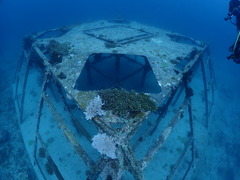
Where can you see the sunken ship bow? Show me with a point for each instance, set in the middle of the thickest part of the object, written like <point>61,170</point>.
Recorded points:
<point>113,100</point>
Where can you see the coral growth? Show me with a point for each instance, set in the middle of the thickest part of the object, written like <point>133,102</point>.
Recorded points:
<point>27,42</point>
<point>56,51</point>
<point>126,104</point>
<point>94,108</point>
<point>105,144</point>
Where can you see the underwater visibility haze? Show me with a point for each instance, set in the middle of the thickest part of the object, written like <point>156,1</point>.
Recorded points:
<point>149,23</point>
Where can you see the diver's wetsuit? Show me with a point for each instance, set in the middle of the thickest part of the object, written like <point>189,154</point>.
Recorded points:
<point>234,9</point>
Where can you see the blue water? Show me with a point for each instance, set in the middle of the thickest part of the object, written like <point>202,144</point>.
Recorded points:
<point>200,19</point>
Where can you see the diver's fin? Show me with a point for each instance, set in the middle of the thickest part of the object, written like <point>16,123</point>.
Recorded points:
<point>236,42</point>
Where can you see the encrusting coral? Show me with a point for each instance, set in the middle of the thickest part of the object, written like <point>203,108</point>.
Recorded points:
<point>56,51</point>
<point>126,103</point>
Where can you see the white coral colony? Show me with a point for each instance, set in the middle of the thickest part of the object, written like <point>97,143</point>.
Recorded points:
<point>105,145</point>
<point>94,108</point>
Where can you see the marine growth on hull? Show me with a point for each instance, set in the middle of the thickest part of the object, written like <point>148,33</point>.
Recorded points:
<point>113,100</point>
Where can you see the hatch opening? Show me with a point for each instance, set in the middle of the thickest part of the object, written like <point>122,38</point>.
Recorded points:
<point>121,71</point>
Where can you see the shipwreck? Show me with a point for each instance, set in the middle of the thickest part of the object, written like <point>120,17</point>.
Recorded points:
<point>113,100</point>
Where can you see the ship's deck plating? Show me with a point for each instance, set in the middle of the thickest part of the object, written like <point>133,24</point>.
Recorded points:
<point>169,54</point>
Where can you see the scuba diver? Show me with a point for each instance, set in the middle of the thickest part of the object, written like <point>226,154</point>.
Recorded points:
<point>234,10</point>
